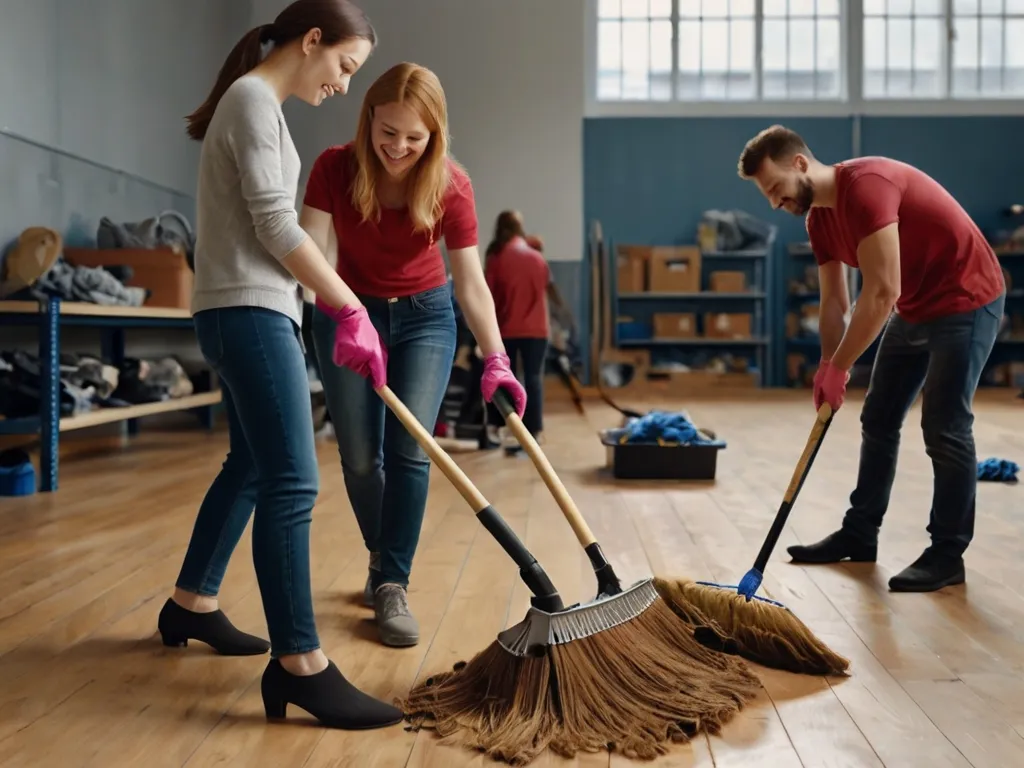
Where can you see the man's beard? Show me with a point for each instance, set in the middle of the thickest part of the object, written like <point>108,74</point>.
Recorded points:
<point>804,197</point>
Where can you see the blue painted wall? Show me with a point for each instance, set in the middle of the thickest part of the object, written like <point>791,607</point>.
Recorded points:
<point>648,180</point>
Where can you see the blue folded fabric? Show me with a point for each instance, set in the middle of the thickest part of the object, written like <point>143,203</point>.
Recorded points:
<point>998,470</point>
<point>662,428</point>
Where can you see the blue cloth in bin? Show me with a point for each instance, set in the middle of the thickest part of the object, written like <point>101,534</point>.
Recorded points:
<point>17,475</point>
<point>665,428</point>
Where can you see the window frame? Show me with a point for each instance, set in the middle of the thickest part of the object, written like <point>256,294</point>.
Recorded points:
<point>852,103</point>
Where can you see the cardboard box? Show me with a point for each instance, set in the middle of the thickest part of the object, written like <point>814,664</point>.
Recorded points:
<point>675,325</point>
<point>728,282</point>
<point>728,325</point>
<point>674,269</point>
<point>163,271</point>
<point>631,262</point>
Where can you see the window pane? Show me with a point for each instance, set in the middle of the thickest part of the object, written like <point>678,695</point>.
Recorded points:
<point>965,6</point>
<point>801,45</point>
<point>609,46</point>
<point>634,9</point>
<point>774,7</point>
<point>715,9</point>
<point>774,52</point>
<point>900,7</point>
<point>928,7</point>
<point>874,57</point>
<point>689,46</point>
<point>1015,6</point>
<point>1013,85</point>
<point>928,57</point>
<point>715,46</point>
<point>801,8</point>
<point>874,7</point>
<point>661,47</point>
<point>992,6</point>
<point>689,8</point>
<point>741,46</point>
<point>609,9</point>
<point>636,59</point>
<point>744,8</point>
<point>965,58</point>
<point>828,58</point>
<point>661,9</point>
<point>991,55</point>
<point>828,7</point>
<point>900,77</point>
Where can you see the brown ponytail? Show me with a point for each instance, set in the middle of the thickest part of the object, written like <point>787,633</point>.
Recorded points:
<point>243,58</point>
<point>337,20</point>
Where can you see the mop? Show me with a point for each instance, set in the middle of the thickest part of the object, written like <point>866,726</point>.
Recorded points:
<point>729,619</point>
<point>619,673</point>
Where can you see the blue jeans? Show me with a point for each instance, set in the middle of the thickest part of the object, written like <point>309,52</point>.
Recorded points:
<point>945,357</point>
<point>386,472</point>
<point>271,467</point>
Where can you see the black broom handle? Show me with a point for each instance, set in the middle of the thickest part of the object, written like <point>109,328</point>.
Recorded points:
<point>545,594</point>
<point>803,467</point>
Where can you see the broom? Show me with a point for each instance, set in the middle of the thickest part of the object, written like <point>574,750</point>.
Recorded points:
<point>619,673</point>
<point>763,631</point>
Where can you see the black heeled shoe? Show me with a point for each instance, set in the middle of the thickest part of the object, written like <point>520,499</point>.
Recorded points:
<point>178,625</point>
<point>327,696</point>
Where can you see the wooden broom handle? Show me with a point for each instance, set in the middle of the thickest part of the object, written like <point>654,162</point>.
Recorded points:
<point>821,423</point>
<point>440,457</point>
<point>547,472</point>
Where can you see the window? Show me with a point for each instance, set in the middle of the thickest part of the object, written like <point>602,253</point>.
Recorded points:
<point>988,49</point>
<point>715,56</point>
<point>634,43</point>
<point>735,54</point>
<point>912,49</point>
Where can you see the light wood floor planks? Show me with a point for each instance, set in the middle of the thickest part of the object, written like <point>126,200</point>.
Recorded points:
<point>938,680</point>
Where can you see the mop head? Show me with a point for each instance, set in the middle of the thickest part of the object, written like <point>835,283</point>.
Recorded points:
<point>619,674</point>
<point>760,631</point>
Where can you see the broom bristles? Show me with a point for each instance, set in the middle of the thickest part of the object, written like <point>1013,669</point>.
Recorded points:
<point>635,688</point>
<point>759,631</point>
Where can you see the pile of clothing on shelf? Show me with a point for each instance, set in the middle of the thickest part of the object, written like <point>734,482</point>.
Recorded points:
<point>35,269</point>
<point>87,383</point>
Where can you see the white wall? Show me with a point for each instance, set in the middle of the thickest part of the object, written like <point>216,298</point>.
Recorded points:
<point>513,73</point>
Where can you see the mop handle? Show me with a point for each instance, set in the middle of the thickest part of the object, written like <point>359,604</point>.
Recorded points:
<point>534,576</point>
<point>803,466</point>
<point>607,580</point>
<point>547,472</point>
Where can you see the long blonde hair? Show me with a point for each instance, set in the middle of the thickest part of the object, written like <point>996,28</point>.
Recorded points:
<point>420,89</point>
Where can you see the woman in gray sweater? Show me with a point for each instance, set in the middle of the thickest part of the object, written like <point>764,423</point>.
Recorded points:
<point>251,258</point>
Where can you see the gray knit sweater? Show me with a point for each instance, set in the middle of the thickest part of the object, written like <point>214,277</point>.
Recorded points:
<point>245,205</point>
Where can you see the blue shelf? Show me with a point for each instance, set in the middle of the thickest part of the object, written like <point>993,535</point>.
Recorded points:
<point>49,316</point>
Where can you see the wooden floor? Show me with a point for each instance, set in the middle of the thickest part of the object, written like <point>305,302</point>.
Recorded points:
<point>937,680</point>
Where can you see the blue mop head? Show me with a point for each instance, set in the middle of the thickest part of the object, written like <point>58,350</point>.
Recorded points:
<point>663,428</point>
<point>998,470</point>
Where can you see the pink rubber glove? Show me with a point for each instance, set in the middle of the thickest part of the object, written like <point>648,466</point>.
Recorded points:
<point>816,387</point>
<point>498,373</point>
<point>831,387</point>
<point>357,345</point>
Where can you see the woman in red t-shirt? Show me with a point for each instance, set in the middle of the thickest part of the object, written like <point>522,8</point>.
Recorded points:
<point>519,278</point>
<point>379,205</point>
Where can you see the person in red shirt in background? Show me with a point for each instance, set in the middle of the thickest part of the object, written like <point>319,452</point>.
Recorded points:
<point>378,206</point>
<point>933,288</point>
<point>519,278</point>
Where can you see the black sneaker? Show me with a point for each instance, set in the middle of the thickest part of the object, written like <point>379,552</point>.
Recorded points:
<point>835,548</point>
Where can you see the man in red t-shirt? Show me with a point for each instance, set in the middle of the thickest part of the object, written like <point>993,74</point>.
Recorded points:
<point>933,283</point>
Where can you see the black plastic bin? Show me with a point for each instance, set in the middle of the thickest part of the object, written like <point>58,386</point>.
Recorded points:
<point>650,461</point>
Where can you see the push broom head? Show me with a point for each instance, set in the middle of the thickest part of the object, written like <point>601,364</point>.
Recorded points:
<point>620,673</point>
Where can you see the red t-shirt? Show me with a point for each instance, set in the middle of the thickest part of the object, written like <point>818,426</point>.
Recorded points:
<point>518,276</point>
<point>946,265</point>
<point>387,258</point>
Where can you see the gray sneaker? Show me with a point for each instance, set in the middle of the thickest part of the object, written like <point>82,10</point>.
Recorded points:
<point>368,588</point>
<point>396,625</point>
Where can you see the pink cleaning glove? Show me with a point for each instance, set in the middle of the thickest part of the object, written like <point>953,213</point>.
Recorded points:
<point>816,387</point>
<point>498,373</point>
<point>357,345</point>
<point>830,386</point>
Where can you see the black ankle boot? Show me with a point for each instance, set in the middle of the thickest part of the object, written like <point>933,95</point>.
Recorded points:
<point>834,548</point>
<point>178,625</point>
<point>327,696</point>
<point>931,571</point>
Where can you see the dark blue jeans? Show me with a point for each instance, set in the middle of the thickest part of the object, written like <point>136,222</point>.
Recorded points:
<point>271,467</point>
<point>945,357</point>
<point>386,472</point>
